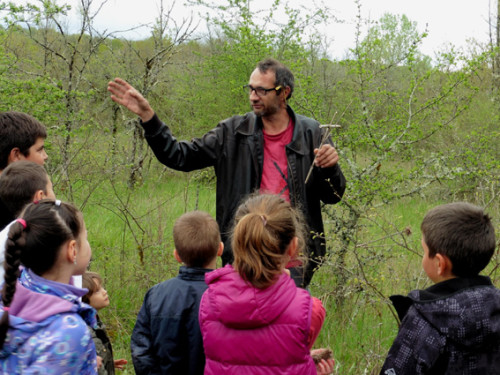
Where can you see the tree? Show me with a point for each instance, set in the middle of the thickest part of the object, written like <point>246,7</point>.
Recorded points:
<point>63,62</point>
<point>390,109</point>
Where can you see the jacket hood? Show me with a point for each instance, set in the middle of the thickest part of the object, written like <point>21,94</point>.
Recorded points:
<point>460,309</point>
<point>238,306</point>
<point>32,311</point>
<point>35,307</point>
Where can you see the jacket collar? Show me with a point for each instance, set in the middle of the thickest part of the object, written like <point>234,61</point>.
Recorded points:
<point>252,124</point>
<point>449,287</point>
<point>437,291</point>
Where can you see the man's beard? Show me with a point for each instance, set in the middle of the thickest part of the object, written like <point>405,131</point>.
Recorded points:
<point>266,111</point>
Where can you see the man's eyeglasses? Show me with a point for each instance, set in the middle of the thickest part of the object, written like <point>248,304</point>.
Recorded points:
<point>260,91</point>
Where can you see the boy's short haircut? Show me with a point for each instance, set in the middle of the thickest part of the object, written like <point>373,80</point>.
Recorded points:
<point>196,238</point>
<point>18,184</point>
<point>19,130</point>
<point>91,281</point>
<point>462,232</point>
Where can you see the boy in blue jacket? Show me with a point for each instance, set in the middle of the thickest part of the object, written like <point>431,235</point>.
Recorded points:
<point>452,327</point>
<point>166,338</point>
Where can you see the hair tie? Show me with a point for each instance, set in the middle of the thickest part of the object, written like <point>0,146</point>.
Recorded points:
<point>6,309</point>
<point>57,203</point>
<point>22,222</point>
<point>264,221</point>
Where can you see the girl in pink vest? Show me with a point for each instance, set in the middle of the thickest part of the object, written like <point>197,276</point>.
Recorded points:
<point>253,318</point>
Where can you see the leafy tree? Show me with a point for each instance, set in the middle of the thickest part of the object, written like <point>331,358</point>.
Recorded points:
<point>393,109</point>
<point>238,38</point>
<point>62,59</point>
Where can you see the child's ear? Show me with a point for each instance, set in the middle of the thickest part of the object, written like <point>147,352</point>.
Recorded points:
<point>221,249</point>
<point>444,265</point>
<point>14,155</point>
<point>38,196</point>
<point>70,249</point>
<point>177,257</point>
<point>292,247</point>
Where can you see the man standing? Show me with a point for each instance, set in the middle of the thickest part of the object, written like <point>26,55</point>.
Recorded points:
<point>270,149</point>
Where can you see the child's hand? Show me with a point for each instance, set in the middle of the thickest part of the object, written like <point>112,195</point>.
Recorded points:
<point>99,362</point>
<point>325,367</point>
<point>323,358</point>
<point>120,363</point>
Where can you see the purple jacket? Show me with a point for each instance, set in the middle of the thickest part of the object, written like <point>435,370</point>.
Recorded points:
<point>255,331</point>
<point>48,330</point>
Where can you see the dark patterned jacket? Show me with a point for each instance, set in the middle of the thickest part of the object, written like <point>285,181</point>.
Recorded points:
<point>103,348</point>
<point>453,327</point>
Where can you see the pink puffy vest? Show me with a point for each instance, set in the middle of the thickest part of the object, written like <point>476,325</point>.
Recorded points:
<point>252,331</point>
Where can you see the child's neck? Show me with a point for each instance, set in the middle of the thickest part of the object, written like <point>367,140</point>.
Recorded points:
<point>57,275</point>
<point>442,278</point>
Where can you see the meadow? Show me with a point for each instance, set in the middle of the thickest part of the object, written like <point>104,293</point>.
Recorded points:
<point>130,235</point>
<point>416,131</point>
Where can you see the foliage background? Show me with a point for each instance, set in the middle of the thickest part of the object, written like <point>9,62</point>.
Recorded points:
<point>416,132</point>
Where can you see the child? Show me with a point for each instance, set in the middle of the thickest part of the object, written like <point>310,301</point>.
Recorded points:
<point>253,318</point>
<point>22,137</point>
<point>21,183</point>
<point>452,327</point>
<point>97,297</point>
<point>166,338</point>
<point>43,327</point>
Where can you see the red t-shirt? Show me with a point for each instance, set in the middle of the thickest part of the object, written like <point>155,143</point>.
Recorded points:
<point>275,168</point>
<point>317,319</point>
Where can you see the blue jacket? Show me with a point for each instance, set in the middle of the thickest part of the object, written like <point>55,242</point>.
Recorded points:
<point>453,327</point>
<point>166,338</point>
<point>48,331</point>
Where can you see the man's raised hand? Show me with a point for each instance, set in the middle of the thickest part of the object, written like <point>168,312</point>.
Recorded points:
<point>126,95</point>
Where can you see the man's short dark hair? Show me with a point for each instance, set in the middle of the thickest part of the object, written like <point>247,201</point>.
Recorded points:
<point>19,182</point>
<point>196,238</point>
<point>19,130</point>
<point>462,232</point>
<point>284,76</point>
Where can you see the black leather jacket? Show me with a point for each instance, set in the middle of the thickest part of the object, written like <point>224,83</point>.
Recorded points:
<point>235,149</point>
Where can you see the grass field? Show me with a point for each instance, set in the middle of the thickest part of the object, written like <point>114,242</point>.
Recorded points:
<point>130,235</point>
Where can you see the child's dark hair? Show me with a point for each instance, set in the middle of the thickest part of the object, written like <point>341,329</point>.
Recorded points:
<point>462,232</point>
<point>19,130</point>
<point>18,184</point>
<point>91,281</point>
<point>34,242</point>
<point>265,225</point>
<point>196,238</point>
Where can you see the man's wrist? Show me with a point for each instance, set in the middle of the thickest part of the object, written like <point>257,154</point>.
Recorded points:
<point>147,115</point>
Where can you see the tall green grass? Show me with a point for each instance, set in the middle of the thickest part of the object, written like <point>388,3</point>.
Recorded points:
<point>130,235</point>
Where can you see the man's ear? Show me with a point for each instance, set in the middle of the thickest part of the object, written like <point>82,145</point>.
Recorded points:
<point>177,257</point>
<point>14,155</point>
<point>221,249</point>
<point>285,92</point>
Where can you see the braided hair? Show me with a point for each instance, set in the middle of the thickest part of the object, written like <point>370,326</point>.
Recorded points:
<point>35,242</point>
